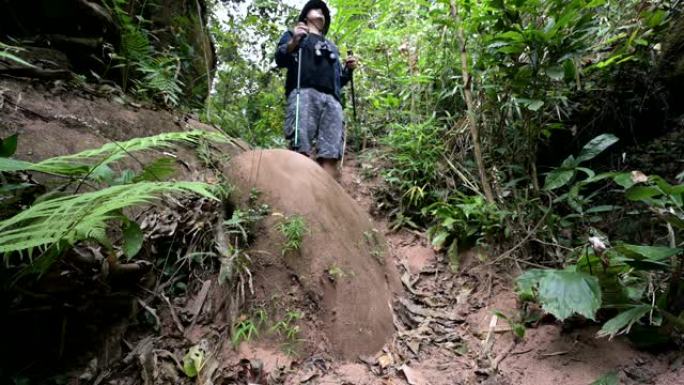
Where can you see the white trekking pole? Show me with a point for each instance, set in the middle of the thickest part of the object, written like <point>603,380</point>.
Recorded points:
<point>299,84</point>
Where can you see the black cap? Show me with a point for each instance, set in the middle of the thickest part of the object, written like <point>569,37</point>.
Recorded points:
<point>317,4</point>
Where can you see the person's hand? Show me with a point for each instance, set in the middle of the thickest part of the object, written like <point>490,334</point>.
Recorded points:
<point>351,63</point>
<point>300,31</point>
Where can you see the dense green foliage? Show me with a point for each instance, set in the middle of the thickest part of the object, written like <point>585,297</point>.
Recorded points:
<point>497,124</point>
<point>160,59</point>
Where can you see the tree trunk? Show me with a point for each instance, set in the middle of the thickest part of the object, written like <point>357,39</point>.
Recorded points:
<point>472,116</point>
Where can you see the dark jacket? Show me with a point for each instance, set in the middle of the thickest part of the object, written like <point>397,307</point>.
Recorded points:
<point>289,61</point>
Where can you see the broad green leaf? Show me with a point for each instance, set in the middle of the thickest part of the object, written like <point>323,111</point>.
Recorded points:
<point>613,290</point>
<point>642,193</point>
<point>653,253</point>
<point>607,379</point>
<point>558,178</point>
<point>675,219</point>
<point>526,283</point>
<point>590,173</point>
<point>624,179</point>
<point>511,35</point>
<point>622,323</point>
<point>564,293</point>
<point>132,239</point>
<point>8,146</point>
<point>518,330</point>
<point>596,146</point>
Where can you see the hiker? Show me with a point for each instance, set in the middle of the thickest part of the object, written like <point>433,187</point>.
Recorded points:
<point>320,120</point>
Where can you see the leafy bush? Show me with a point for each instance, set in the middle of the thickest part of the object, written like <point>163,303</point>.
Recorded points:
<point>155,73</point>
<point>637,280</point>
<point>416,153</point>
<point>464,221</point>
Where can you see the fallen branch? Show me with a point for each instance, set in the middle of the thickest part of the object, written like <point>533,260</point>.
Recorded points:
<point>176,320</point>
<point>503,355</point>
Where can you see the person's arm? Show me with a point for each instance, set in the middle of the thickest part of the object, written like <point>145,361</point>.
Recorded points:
<point>345,75</point>
<point>288,44</point>
<point>347,70</point>
<point>283,56</point>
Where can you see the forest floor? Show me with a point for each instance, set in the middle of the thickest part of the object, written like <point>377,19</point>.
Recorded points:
<point>430,347</point>
<point>444,329</point>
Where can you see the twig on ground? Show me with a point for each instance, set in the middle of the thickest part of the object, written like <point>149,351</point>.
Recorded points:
<point>176,320</point>
<point>503,355</point>
<point>151,311</point>
<point>199,301</point>
<point>488,342</point>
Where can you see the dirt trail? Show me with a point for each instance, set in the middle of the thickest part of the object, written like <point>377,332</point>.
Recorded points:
<point>442,321</point>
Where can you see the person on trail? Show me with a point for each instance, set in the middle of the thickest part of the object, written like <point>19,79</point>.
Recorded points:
<point>316,114</point>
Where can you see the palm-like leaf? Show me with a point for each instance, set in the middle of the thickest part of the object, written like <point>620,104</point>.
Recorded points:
<point>86,162</point>
<point>85,215</point>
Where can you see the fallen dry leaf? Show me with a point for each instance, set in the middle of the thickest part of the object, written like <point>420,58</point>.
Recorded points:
<point>413,376</point>
<point>385,360</point>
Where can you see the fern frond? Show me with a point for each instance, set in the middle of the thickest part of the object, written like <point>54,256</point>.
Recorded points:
<point>81,216</point>
<point>135,44</point>
<point>88,161</point>
<point>160,79</point>
<point>6,54</point>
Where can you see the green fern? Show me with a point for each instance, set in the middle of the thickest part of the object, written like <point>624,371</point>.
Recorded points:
<point>135,44</point>
<point>90,161</point>
<point>84,216</point>
<point>7,53</point>
<point>160,79</point>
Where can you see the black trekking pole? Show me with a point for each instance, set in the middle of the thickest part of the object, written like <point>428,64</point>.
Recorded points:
<point>351,79</point>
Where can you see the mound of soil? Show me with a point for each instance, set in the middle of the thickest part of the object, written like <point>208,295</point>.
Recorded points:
<point>341,274</point>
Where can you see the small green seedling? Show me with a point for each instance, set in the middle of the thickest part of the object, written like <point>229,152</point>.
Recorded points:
<point>290,332</point>
<point>517,328</point>
<point>293,229</point>
<point>244,330</point>
<point>336,273</point>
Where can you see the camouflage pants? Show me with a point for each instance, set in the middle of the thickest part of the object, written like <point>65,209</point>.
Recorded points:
<point>321,124</point>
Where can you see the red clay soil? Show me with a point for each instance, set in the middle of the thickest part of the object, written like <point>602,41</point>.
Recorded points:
<point>342,267</point>
<point>55,119</point>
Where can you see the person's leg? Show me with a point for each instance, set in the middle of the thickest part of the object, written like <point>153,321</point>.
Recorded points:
<point>331,136</point>
<point>307,121</point>
<point>330,166</point>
